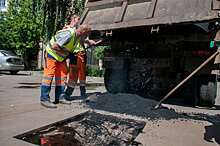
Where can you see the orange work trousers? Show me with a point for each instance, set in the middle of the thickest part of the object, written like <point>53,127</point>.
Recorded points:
<point>59,69</point>
<point>77,70</point>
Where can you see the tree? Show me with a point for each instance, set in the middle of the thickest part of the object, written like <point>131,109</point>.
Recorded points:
<point>28,21</point>
<point>3,32</point>
<point>99,52</point>
<point>57,13</point>
<point>20,28</point>
<point>79,6</point>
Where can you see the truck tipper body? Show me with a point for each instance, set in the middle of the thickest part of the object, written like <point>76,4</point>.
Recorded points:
<point>155,44</point>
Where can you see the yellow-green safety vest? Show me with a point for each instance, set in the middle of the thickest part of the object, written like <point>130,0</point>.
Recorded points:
<point>79,48</point>
<point>68,47</point>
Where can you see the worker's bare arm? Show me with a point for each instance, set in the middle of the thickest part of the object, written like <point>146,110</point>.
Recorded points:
<point>93,42</point>
<point>58,49</point>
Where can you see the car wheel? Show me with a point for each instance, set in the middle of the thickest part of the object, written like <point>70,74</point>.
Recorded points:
<point>14,72</point>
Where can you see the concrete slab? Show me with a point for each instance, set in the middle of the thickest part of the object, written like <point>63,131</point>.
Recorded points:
<point>20,123</point>
<point>177,132</point>
<point>182,132</point>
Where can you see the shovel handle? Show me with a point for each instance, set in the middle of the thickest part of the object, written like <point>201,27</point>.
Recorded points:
<point>186,79</point>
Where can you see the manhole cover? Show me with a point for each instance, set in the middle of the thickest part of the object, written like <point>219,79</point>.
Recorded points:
<point>88,129</point>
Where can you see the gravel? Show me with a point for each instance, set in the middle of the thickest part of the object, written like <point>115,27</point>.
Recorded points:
<point>130,104</point>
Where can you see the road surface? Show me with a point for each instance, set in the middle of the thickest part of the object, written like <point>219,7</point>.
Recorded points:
<point>20,112</point>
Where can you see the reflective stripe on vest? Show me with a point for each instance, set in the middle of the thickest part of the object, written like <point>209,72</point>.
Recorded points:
<point>79,49</point>
<point>68,47</point>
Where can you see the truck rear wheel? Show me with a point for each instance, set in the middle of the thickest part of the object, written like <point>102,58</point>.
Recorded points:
<point>208,94</point>
<point>116,81</point>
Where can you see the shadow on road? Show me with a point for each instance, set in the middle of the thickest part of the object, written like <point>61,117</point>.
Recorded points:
<point>212,132</point>
<point>71,98</point>
<point>28,85</point>
<point>18,74</point>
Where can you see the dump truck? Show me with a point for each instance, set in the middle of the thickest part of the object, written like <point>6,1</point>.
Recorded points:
<point>155,44</point>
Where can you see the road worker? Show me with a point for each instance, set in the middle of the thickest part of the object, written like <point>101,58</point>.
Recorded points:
<point>59,47</point>
<point>74,20</point>
<point>77,70</point>
<point>77,65</point>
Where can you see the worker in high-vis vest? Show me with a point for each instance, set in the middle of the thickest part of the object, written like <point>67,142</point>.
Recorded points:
<point>59,47</point>
<point>77,70</point>
<point>77,64</point>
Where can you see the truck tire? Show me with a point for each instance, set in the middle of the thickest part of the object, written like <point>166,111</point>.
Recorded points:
<point>115,81</point>
<point>208,94</point>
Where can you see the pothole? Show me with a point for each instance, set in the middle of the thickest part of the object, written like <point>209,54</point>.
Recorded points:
<point>88,129</point>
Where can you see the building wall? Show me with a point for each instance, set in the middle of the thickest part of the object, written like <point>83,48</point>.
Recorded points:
<point>3,5</point>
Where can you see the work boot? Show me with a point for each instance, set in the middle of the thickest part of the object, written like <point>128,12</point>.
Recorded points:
<point>83,92</point>
<point>68,92</point>
<point>47,104</point>
<point>64,101</point>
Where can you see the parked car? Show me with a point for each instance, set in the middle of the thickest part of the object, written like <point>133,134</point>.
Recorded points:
<point>10,62</point>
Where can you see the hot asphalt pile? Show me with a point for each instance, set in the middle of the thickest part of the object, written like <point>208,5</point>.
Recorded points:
<point>130,104</point>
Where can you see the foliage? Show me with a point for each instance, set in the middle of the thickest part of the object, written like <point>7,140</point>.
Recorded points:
<point>54,14</point>
<point>58,13</point>
<point>20,28</point>
<point>30,17</point>
<point>3,32</point>
<point>28,22</point>
<point>99,52</point>
<point>79,6</point>
<point>92,71</point>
